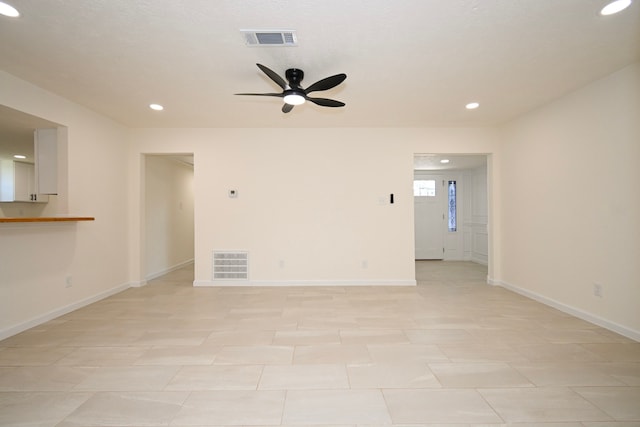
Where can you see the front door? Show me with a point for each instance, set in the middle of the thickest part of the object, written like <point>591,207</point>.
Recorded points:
<point>428,201</point>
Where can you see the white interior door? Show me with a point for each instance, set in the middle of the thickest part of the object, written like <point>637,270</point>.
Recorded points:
<point>428,200</point>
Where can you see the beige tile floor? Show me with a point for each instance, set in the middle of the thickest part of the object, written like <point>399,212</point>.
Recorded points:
<point>452,351</point>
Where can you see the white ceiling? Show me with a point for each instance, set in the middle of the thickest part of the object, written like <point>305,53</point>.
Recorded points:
<point>409,62</point>
<point>432,162</point>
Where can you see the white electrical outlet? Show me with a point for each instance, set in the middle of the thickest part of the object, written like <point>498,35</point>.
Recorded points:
<point>68,282</point>
<point>597,290</point>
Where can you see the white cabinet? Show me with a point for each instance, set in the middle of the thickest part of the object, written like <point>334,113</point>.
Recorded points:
<point>18,183</point>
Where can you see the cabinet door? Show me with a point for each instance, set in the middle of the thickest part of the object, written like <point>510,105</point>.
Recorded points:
<point>46,153</point>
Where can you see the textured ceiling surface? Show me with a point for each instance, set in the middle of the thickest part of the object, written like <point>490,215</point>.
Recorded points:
<point>409,63</point>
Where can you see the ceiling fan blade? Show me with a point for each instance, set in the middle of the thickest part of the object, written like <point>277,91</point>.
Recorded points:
<point>287,107</point>
<point>273,76</point>
<point>324,102</point>
<point>279,95</point>
<point>328,83</point>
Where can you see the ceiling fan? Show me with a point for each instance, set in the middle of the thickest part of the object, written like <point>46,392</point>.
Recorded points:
<point>294,94</point>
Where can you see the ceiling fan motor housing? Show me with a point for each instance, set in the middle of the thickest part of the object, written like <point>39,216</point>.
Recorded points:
<point>294,76</point>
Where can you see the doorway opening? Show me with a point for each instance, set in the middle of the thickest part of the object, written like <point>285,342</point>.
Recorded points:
<point>168,213</point>
<point>451,207</point>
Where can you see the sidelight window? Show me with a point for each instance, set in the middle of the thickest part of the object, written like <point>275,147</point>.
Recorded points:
<point>452,206</point>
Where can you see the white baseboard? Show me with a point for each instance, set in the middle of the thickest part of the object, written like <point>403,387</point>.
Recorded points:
<point>138,283</point>
<point>21,327</point>
<point>224,283</point>
<point>157,274</point>
<point>493,282</point>
<point>591,318</point>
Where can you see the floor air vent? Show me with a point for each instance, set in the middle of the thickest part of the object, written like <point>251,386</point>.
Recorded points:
<point>230,265</point>
<point>270,37</point>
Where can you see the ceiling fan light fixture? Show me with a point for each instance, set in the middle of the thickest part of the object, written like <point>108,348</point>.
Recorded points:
<point>294,99</point>
<point>614,7</point>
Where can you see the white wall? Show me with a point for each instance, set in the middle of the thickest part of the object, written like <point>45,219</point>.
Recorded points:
<point>169,214</point>
<point>570,209</point>
<point>37,259</point>
<point>308,207</point>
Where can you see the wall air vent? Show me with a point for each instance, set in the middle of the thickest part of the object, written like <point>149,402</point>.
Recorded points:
<point>230,265</point>
<point>270,37</point>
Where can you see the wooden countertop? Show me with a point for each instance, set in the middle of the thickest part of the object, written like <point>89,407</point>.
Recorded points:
<point>48,219</point>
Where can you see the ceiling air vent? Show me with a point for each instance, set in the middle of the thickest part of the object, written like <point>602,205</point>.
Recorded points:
<point>270,37</point>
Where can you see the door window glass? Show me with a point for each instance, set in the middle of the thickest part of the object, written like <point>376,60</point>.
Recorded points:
<point>424,188</point>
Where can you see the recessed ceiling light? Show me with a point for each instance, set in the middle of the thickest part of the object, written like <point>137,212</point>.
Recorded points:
<point>156,107</point>
<point>615,7</point>
<point>444,161</point>
<point>8,10</point>
<point>19,156</point>
<point>472,106</point>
